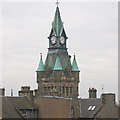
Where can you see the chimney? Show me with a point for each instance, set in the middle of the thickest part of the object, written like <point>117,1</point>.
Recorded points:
<point>25,91</point>
<point>92,93</point>
<point>25,88</point>
<point>2,91</point>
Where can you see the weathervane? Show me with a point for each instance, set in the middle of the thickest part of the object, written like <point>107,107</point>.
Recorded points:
<point>57,3</point>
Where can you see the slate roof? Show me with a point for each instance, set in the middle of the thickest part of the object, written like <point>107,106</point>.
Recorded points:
<point>57,24</point>
<point>11,106</point>
<point>53,54</point>
<point>85,104</point>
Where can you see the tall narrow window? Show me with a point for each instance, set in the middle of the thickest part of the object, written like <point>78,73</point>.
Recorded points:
<point>67,91</point>
<point>70,90</point>
<point>63,89</point>
<point>48,87</point>
<point>44,88</point>
<point>60,88</point>
<point>51,87</point>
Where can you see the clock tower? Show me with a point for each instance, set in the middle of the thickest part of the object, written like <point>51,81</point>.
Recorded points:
<point>58,76</point>
<point>57,37</point>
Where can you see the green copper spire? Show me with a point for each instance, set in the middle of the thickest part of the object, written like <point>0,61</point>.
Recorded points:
<point>41,65</point>
<point>57,24</point>
<point>74,65</point>
<point>58,65</point>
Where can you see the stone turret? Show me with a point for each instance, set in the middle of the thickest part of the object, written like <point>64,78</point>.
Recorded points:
<point>74,65</point>
<point>41,65</point>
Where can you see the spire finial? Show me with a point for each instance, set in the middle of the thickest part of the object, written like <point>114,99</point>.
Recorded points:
<point>57,3</point>
<point>41,55</point>
<point>74,55</point>
<point>41,65</point>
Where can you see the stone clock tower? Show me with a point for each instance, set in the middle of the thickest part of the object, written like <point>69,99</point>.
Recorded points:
<point>58,77</point>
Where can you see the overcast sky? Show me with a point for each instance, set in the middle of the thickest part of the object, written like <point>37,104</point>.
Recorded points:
<point>92,33</point>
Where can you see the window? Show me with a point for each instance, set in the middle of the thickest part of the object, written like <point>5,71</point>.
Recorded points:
<point>67,91</point>
<point>63,89</point>
<point>24,113</point>
<point>91,108</point>
<point>60,88</point>
<point>44,88</point>
<point>48,87</point>
<point>52,87</point>
<point>72,111</point>
<point>70,90</point>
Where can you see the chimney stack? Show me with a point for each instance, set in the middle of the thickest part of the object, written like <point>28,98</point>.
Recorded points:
<point>92,93</point>
<point>2,91</point>
<point>25,91</point>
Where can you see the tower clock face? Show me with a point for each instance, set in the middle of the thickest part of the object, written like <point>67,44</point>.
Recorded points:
<point>62,40</point>
<point>53,40</point>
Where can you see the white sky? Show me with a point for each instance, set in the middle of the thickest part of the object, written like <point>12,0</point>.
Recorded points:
<point>92,33</point>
